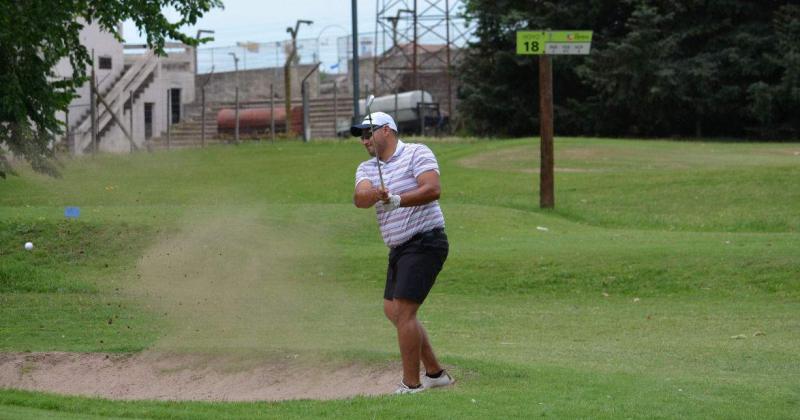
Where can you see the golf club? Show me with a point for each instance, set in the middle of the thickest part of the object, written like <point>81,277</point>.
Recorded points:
<point>371,98</point>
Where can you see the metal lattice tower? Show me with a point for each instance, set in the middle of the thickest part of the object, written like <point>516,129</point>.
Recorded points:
<point>421,40</point>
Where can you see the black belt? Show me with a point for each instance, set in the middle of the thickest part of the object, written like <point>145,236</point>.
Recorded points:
<point>421,235</point>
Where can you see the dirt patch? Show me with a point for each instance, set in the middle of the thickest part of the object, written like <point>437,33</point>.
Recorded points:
<point>164,376</point>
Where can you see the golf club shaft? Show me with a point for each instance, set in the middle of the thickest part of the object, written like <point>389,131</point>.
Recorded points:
<point>371,98</point>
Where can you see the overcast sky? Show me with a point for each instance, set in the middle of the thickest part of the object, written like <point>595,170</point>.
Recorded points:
<point>266,20</point>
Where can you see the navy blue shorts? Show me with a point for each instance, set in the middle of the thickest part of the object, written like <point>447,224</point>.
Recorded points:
<point>414,265</point>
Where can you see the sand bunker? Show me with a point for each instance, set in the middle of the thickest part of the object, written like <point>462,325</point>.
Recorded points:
<point>161,376</point>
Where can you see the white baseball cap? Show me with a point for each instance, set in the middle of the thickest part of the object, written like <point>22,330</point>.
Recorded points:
<point>378,119</point>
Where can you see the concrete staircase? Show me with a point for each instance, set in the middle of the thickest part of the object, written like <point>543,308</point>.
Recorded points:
<point>135,78</point>
<point>324,114</point>
<point>188,132</point>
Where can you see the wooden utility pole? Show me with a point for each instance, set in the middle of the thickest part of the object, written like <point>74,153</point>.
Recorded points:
<point>335,108</point>
<point>287,91</point>
<point>133,145</point>
<point>203,107</point>
<point>272,112</point>
<point>546,179</point>
<point>236,112</point>
<point>544,44</point>
<point>169,116</point>
<point>287,71</point>
<point>93,108</point>
<point>203,116</point>
<point>68,138</point>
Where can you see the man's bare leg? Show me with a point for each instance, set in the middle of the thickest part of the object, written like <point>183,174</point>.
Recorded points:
<point>428,357</point>
<point>412,338</point>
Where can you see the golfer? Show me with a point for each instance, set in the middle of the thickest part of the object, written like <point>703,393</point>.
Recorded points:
<point>412,226</point>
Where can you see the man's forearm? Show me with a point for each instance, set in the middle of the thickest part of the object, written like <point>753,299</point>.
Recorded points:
<point>424,194</point>
<point>365,198</point>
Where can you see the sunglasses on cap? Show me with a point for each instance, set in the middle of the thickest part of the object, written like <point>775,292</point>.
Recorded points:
<point>367,134</point>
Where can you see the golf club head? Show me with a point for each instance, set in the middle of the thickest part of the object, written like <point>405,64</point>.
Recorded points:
<point>370,98</point>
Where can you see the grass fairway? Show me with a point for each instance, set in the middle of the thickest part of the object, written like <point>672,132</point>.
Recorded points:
<point>666,283</point>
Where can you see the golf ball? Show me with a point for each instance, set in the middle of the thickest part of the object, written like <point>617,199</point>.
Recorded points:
<point>28,246</point>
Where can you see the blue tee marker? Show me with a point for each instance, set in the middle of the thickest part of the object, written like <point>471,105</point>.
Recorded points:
<point>72,212</point>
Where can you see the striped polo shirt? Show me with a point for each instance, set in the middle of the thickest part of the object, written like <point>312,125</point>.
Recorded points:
<point>400,174</point>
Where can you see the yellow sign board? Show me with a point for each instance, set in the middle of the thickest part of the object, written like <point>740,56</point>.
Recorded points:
<point>554,42</point>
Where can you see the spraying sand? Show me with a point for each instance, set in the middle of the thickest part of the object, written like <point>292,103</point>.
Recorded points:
<point>248,315</point>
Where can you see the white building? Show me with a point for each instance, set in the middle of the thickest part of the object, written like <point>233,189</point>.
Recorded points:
<point>158,86</point>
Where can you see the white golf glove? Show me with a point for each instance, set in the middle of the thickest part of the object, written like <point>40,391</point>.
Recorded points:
<point>392,204</point>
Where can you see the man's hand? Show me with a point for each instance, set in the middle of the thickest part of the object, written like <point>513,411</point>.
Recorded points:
<point>383,194</point>
<point>366,195</point>
<point>392,204</point>
<point>386,200</point>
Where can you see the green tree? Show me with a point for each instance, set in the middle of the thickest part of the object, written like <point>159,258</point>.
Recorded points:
<point>36,34</point>
<point>499,90</point>
<point>786,90</point>
<point>493,107</point>
<point>657,68</point>
<point>633,74</point>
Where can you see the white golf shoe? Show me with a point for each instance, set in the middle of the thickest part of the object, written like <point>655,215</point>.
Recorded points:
<point>443,380</point>
<point>404,389</point>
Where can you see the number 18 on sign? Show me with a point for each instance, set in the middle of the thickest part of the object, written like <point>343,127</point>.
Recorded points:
<point>531,42</point>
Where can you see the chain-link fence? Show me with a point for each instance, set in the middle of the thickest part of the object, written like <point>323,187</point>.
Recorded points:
<point>332,51</point>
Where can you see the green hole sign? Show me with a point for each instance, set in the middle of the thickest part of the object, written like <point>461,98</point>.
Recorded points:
<point>531,42</point>
<point>554,42</point>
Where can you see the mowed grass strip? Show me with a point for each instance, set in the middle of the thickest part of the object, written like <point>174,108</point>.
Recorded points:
<point>66,293</point>
<point>664,284</point>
